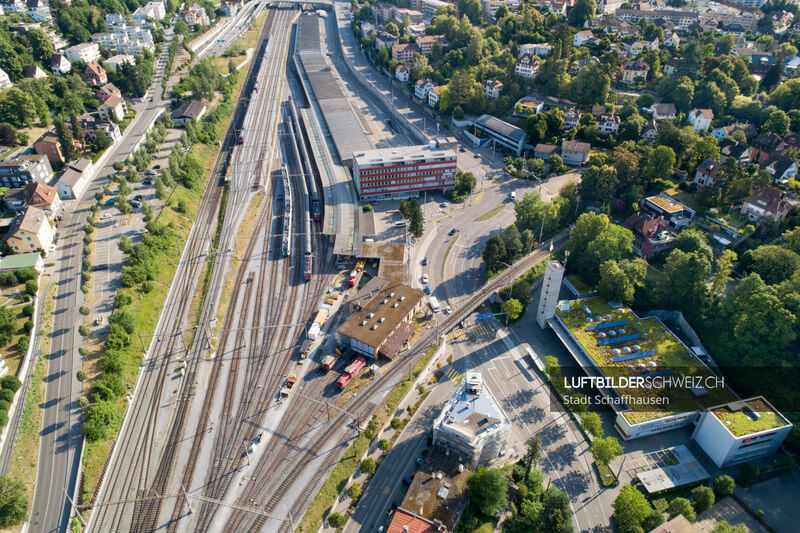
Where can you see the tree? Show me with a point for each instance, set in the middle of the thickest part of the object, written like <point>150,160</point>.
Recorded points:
<point>99,417</point>
<point>600,183</point>
<point>724,527</point>
<point>591,423</point>
<point>41,45</point>
<point>66,139</point>
<point>582,11</point>
<point>658,164</point>
<point>724,486</point>
<point>722,272</point>
<point>792,239</point>
<point>555,164</point>
<point>334,519</point>
<point>8,135</point>
<point>465,184</point>
<point>591,86</point>
<point>682,506</point>
<point>494,253</point>
<point>488,490</point>
<point>556,515</point>
<point>619,285</point>
<point>472,9</point>
<point>551,366</point>
<point>773,263</point>
<point>13,502</point>
<point>605,450</point>
<point>749,473</point>
<point>533,449</point>
<point>630,509</point>
<point>354,491</point>
<point>683,285</point>
<point>17,107</point>
<point>420,68</point>
<point>8,325</point>
<point>513,308</point>
<point>778,122</point>
<point>703,498</point>
<point>367,465</point>
<point>31,287</point>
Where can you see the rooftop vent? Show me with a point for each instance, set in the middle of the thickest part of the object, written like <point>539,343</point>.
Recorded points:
<point>381,319</point>
<point>374,327</point>
<point>370,315</point>
<point>402,298</point>
<point>363,322</point>
<point>391,295</point>
<point>394,305</point>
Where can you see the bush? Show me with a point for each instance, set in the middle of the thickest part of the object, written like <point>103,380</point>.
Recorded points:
<point>421,389</point>
<point>80,375</point>
<point>368,466</point>
<point>87,240</point>
<point>181,207</point>
<point>396,423</point>
<point>84,310</point>
<point>84,330</point>
<point>661,504</point>
<point>384,445</point>
<point>31,287</point>
<point>99,417</point>
<point>724,486</point>
<point>14,506</point>
<point>702,498</point>
<point>27,310</point>
<point>88,228</point>
<point>3,419</point>
<point>23,343</point>
<point>148,286</point>
<point>10,383</point>
<point>8,279</point>
<point>4,405</point>
<point>122,299</point>
<point>83,402</point>
<point>748,472</point>
<point>28,326</point>
<point>336,520</point>
<point>354,491</point>
<point>83,350</point>
<point>7,395</point>
<point>682,506</point>
<point>367,208</point>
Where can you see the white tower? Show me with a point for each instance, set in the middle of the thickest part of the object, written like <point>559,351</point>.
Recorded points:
<point>551,286</point>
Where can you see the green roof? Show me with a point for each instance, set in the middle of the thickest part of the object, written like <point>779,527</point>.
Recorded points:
<point>17,261</point>
<point>749,416</point>
<point>670,353</point>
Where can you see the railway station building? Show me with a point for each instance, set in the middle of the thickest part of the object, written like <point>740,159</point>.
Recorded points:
<point>381,326</point>
<point>403,172</point>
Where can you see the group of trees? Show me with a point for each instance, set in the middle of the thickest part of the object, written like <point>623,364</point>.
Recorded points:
<point>536,220</point>
<point>633,513</point>
<point>412,211</point>
<point>465,184</point>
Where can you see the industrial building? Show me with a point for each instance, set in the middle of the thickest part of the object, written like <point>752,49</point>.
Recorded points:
<point>502,132</point>
<point>741,431</point>
<point>381,326</point>
<point>472,424</point>
<point>402,172</point>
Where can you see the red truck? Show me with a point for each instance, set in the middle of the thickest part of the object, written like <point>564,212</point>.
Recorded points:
<point>350,372</point>
<point>328,361</point>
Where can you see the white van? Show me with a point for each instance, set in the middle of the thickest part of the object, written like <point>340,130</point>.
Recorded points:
<point>400,224</point>
<point>434,304</point>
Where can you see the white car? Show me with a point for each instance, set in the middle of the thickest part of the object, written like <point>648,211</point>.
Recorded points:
<point>105,216</point>
<point>424,278</point>
<point>448,310</point>
<point>141,231</point>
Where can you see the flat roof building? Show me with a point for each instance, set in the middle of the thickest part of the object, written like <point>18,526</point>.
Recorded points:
<point>502,132</point>
<point>472,423</point>
<point>25,169</point>
<point>402,172</point>
<point>381,326</point>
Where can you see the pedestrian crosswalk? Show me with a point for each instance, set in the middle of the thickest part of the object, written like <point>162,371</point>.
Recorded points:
<point>484,328</point>
<point>452,374</point>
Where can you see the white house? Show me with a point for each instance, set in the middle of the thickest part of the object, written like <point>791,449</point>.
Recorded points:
<point>583,37</point>
<point>527,66</point>
<point>781,168</point>
<point>663,111</point>
<point>75,179</point>
<point>86,52</point>
<point>401,73</point>
<point>492,88</point>
<point>112,109</point>
<point>672,40</point>
<point>535,49</point>
<point>767,203</point>
<point>434,95</point>
<point>422,87</point>
<point>700,119</point>
<point>608,124</point>
<point>5,81</point>
<point>113,63</point>
<point>60,64</point>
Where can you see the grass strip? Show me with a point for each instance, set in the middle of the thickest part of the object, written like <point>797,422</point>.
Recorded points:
<point>489,214</point>
<point>336,482</point>
<point>447,253</point>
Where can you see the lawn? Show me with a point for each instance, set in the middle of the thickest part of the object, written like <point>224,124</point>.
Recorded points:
<point>670,356</point>
<point>447,252</point>
<point>740,424</point>
<point>491,213</point>
<point>13,298</point>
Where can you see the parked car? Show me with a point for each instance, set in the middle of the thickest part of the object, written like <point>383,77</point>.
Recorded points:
<point>105,216</point>
<point>102,266</point>
<point>407,481</point>
<point>424,261</point>
<point>443,205</point>
<point>141,231</point>
<point>453,231</point>
<point>448,309</point>
<point>424,278</point>
<point>135,204</point>
<point>427,290</point>
<point>110,201</point>
<point>138,197</point>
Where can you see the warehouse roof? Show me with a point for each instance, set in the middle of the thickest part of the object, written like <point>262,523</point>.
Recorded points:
<point>501,127</point>
<point>401,154</point>
<point>374,322</point>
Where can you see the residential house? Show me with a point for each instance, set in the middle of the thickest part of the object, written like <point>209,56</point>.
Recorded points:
<point>36,195</point>
<point>75,178</point>
<point>415,30</point>
<point>724,132</point>
<point>663,111</point>
<point>651,235</point>
<point>33,72</point>
<point>492,88</point>
<point>575,153</point>
<point>527,66</point>
<point>535,49</point>
<point>195,15</point>
<point>113,63</point>
<point>230,9</point>
<point>557,7</point>
<point>633,46</point>
<point>766,145</point>
<point>400,14</point>
<point>112,108</point>
<point>384,11</point>
<point>608,7</point>
<point>192,110</point>
<point>578,65</point>
<point>572,118</point>
<point>791,64</point>
<point>86,52</point>
<point>95,74</point>
<point>426,42</point>
<point>671,67</point>
<point>634,72</point>
<point>502,133</point>
<point>126,39</point>
<point>384,39</point>
<point>615,26</point>
<point>401,73</point>
<point>781,168</point>
<point>59,64</point>
<point>700,119</point>
<point>434,95</point>
<point>676,214</point>
<point>649,131</point>
<point>91,125</point>
<point>671,39</point>
<point>768,203</point>
<point>404,52</point>
<point>30,232</point>
<point>528,105</point>
<point>544,151</point>
<point>608,124</point>
<point>706,172</point>
<point>740,152</point>
<point>49,145</point>
<point>25,169</point>
<point>5,81</point>
<point>422,88</point>
<point>107,90</point>
<point>583,37</point>
<point>761,63</point>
